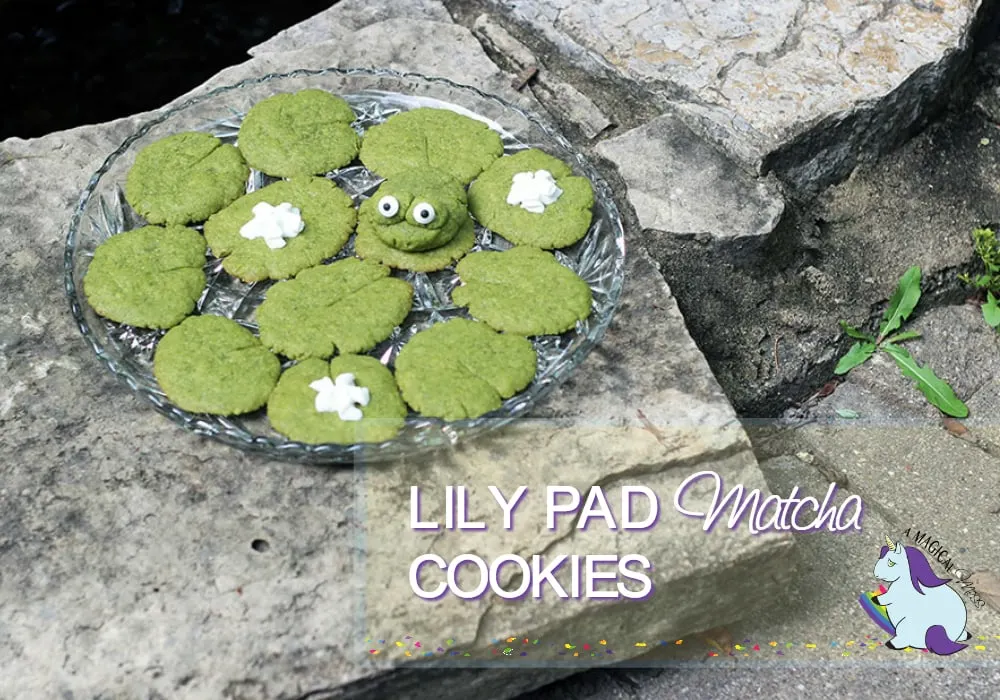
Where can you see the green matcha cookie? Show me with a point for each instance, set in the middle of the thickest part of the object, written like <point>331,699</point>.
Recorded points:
<point>431,138</point>
<point>368,245</point>
<point>327,213</point>
<point>349,306</point>
<point>185,178</point>
<point>209,364</point>
<point>462,369</point>
<point>522,290</point>
<point>292,406</point>
<point>149,277</point>
<point>303,133</point>
<point>561,224</point>
<point>416,211</point>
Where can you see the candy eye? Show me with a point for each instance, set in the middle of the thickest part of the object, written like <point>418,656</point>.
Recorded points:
<point>388,206</point>
<point>423,213</point>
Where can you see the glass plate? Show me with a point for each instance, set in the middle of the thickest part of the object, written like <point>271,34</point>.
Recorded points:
<point>375,95</point>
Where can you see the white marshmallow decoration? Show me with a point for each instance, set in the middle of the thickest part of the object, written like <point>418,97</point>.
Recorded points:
<point>274,224</point>
<point>533,191</point>
<point>340,396</point>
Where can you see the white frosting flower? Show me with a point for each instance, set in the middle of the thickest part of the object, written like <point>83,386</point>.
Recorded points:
<point>340,396</point>
<point>533,191</point>
<point>274,224</point>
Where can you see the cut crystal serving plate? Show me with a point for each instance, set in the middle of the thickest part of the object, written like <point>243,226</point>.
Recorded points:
<point>375,95</point>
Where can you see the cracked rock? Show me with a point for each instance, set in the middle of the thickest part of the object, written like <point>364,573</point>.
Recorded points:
<point>344,18</point>
<point>805,88</point>
<point>558,96</point>
<point>680,184</point>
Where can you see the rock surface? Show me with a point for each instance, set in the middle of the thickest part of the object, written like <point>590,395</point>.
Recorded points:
<point>917,471</point>
<point>840,258</point>
<point>804,88</point>
<point>679,184</point>
<point>768,323</point>
<point>143,560</point>
<point>923,467</point>
<point>557,95</point>
<point>344,18</point>
<point>431,48</point>
<point>818,624</point>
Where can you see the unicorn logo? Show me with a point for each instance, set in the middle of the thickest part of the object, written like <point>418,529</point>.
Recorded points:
<point>917,607</point>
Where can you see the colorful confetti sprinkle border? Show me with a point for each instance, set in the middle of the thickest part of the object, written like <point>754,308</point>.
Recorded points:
<point>984,646</point>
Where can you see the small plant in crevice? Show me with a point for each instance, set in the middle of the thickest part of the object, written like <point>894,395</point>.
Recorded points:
<point>988,249</point>
<point>901,305</point>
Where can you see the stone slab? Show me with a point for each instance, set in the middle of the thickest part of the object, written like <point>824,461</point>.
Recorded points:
<point>715,575</point>
<point>926,487</point>
<point>431,48</point>
<point>917,475</point>
<point>558,96</point>
<point>914,468</point>
<point>143,561</point>
<point>928,478</point>
<point>680,184</point>
<point>344,18</point>
<point>805,88</point>
<point>769,323</point>
<point>840,569</point>
<point>941,185</point>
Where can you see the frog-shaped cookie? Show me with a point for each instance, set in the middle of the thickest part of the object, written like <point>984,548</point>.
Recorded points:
<point>418,220</point>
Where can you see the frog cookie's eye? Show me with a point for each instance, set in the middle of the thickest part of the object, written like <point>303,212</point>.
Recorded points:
<point>388,206</point>
<point>892,563</point>
<point>423,213</point>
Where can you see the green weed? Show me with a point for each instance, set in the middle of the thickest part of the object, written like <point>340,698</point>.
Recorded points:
<point>901,305</point>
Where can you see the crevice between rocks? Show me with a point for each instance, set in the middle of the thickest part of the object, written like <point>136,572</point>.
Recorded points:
<point>727,287</point>
<point>799,162</point>
<point>626,103</point>
<point>984,445</point>
<point>819,372</point>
